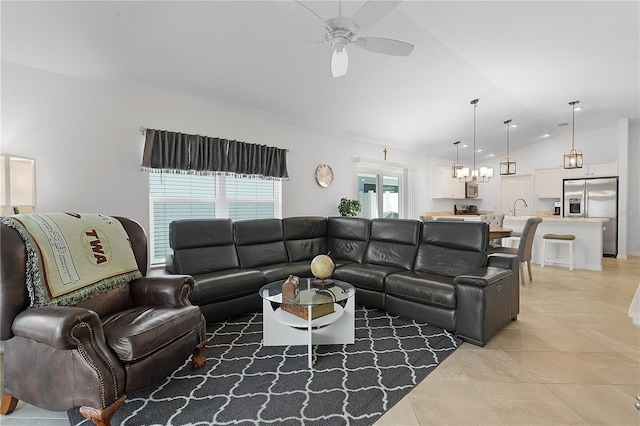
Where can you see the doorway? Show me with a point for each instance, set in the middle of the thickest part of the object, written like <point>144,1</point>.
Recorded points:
<point>380,194</point>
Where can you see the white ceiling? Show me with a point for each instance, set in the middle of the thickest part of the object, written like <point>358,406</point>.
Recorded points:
<point>524,60</point>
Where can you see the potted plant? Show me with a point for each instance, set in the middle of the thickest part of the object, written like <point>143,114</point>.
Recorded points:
<point>349,207</point>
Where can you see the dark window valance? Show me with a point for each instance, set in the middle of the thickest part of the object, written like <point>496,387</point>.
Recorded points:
<point>173,152</point>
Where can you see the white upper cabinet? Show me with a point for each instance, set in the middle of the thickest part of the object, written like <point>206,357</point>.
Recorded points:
<point>445,186</point>
<point>592,170</point>
<point>548,183</point>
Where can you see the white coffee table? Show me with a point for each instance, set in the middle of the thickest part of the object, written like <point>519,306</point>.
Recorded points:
<point>281,328</point>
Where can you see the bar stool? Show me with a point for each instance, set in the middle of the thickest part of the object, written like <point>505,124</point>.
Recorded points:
<point>558,239</point>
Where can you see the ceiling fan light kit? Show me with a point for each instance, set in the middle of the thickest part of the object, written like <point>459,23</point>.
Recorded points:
<point>339,61</point>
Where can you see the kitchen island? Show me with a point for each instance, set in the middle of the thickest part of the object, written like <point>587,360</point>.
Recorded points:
<point>587,245</point>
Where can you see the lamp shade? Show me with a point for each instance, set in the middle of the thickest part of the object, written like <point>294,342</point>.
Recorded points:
<point>339,61</point>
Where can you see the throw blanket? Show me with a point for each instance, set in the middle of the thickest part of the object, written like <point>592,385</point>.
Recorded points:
<point>72,257</point>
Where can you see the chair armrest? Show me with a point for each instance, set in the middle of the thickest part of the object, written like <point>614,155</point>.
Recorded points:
<point>57,326</point>
<point>162,290</point>
<point>483,277</point>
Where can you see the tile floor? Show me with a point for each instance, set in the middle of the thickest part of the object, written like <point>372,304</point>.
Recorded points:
<point>572,357</point>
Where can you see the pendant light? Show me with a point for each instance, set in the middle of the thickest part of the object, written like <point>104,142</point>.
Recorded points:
<point>573,158</point>
<point>457,167</point>
<point>507,167</point>
<point>485,173</point>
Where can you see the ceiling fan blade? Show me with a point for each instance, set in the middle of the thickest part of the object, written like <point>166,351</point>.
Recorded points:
<point>339,62</point>
<point>385,45</point>
<point>312,11</point>
<point>373,11</point>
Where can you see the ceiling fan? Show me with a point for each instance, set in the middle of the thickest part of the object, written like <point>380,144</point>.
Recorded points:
<point>341,31</point>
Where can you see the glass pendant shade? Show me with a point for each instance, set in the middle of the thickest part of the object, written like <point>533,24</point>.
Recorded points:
<point>507,167</point>
<point>457,166</point>
<point>573,158</point>
<point>455,169</point>
<point>339,61</point>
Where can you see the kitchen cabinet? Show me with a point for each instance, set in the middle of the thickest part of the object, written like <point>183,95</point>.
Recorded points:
<point>548,183</point>
<point>592,170</point>
<point>445,186</point>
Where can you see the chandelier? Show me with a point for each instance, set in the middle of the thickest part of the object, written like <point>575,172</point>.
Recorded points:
<point>484,174</point>
<point>573,157</point>
<point>507,167</point>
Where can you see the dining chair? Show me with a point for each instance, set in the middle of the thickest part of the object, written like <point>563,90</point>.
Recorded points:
<point>525,247</point>
<point>494,221</point>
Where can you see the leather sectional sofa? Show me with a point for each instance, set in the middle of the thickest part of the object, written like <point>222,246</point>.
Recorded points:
<point>437,272</point>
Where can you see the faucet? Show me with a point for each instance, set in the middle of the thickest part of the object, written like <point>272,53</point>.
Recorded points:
<point>514,204</point>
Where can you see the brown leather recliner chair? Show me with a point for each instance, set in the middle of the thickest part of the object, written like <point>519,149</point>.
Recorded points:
<point>91,354</point>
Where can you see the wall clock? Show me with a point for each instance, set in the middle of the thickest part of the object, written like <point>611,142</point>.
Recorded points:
<point>324,175</point>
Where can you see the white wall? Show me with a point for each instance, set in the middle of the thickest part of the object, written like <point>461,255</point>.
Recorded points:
<point>86,141</point>
<point>87,144</point>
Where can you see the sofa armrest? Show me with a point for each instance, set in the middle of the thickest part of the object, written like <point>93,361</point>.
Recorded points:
<point>484,303</point>
<point>162,290</point>
<point>56,326</point>
<point>510,261</point>
<point>504,260</point>
<point>483,277</point>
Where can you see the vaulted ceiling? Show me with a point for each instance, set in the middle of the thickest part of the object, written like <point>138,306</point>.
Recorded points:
<point>524,60</point>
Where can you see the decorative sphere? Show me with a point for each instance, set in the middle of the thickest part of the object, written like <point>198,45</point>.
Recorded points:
<point>322,266</point>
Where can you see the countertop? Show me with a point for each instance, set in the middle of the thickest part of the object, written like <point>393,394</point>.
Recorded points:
<point>561,219</point>
<point>550,218</point>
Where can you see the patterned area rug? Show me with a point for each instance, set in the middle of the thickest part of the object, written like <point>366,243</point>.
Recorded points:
<point>246,383</point>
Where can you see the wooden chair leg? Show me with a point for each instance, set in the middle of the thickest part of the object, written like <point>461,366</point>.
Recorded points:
<point>529,268</point>
<point>9,404</point>
<point>198,360</point>
<point>521,267</point>
<point>102,417</point>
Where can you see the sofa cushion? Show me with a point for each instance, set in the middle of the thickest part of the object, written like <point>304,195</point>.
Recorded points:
<point>225,285</point>
<point>305,237</point>
<point>446,261</point>
<point>451,248</point>
<point>348,238</point>
<point>204,259</point>
<point>280,271</point>
<point>193,233</point>
<point>260,242</point>
<point>362,275</point>
<point>471,236</point>
<point>393,242</point>
<point>137,332</point>
<point>422,288</point>
<point>202,245</point>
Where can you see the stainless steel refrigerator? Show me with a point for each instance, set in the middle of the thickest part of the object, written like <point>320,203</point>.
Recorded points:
<point>597,198</point>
